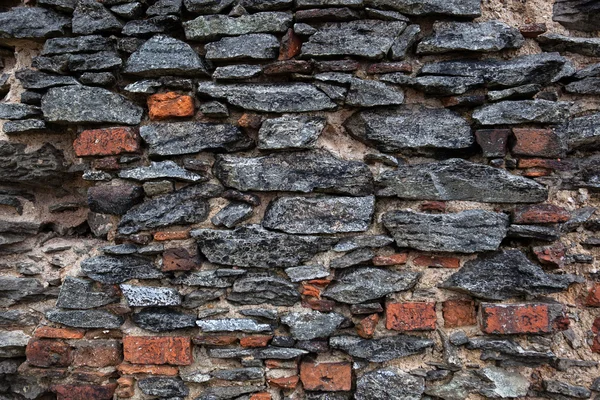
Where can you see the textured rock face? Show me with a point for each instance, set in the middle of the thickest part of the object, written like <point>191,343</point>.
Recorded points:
<point>466,232</point>
<point>264,288</point>
<point>163,319</point>
<point>142,296</point>
<point>381,350</point>
<point>524,111</point>
<point>32,23</point>
<point>160,170</point>
<point>85,319</point>
<point>312,325</point>
<point>257,46</point>
<point>580,15</point>
<point>163,387</point>
<point>561,43</point>
<point>582,131</point>
<point>210,27</point>
<point>91,17</point>
<point>80,294</point>
<point>112,269</point>
<point>389,383</point>
<point>362,92</point>
<point>43,167</point>
<point>290,132</point>
<point>232,325</point>
<point>457,8</point>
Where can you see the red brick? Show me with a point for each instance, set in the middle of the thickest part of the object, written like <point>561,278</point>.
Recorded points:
<point>459,313</point>
<point>290,45</point>
<point>366,327</point>
<point>255,341</point>
<point>506,319</point>
<point>157,350</point>
<point>311,290</point>
<point>387,67</point>
<point>126,388</point>
<point>179,260</point>
<point>532,30</point>
<point>537,142</point>
<point>253,121</point>
<point>215,340</point>
<point>328,377</point>
<point>553,255</point>
<point>171,235</point>
<point>106,163</point>
<point>58,333</point>
<point>84,392</point>
<point>542,163</point>
<point>288,382</point>
<point>437,261</point>
<point>107,142</point>
<point>97,353</point>
<point>393,259</point>
<point>492,141</point>
<point>593,298</point>
<point>595,347</point>
<point>540,214</point>
<point>48,353</point>
<point>261,396</point>
<point>318,304</point>
<point>169,105</point>
<point>410,316</point>
<point>536,172</point>
<point>133,369</point>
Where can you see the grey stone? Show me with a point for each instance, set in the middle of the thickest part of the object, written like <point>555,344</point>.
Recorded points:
<point>457,179</point>
<point>263,288</point>
<point>32,23</point>
<point>143,296</point>
<point>158,24</point>
<point>269,97</point>
<point>165,7</point>
<point>13,111</point>
<point>355,257</point>
<point>163,387</point>
<point>469,231</point>
<point>370,39</point>
<point>98,78</point>
<point>146,86</point>
<point>386,15</point>
<point>506,274</point>
<point>322,214</point>
<point>228,392</point>
<point>580,15</point>
<point>306,272</point>
<point>232,325</point>
<point>506,384</point>
<point>357,242</point>
<point>363,92</point>
<point>31,79</point>
<point>9,366</point>
<point>82,104</point>
<point>592,71</point>
<point>24,126</point>
<point>104,60</point>
<point>485,36</point>
<point>382,349</point>
<point>582,131</point>
<point>131,10</point>
<point>213,26</point>
<point>364,284</point>
<point>209,278</point>
<point>61,5</point>
<point>207,6</point>
<point>13,343</point>
<point>176,138</point>
<point>256,46</point>
<point>523,111</point>
<point>92,17</point>
<point>446,85</point>
<point>306,171</point>
<point>266,5</point>
<point>566,389</point>
<point>239,374</point>
<point>264,313</point>
<point>16,289</point>
<point>389,383</point>
<point>414,126</point>
<point>546,233</point>
<point>236,72</point>
<point>303,29</point>
<point>120,249</point>
<point>584,86</point>
<point>116,199</point>
<point>200,297</point>
<point>277,353</point>
<point>404,42</point>
<point>78,44</point>
<point>80,294</point>
<point>214,109</point>
<point>328,3</point>
<point>161,170</point>
<point>163,55</point>
<point>459,387</point>
<point>232,215</point>
<point>88,319</point>
<point>17,318</point>
<point>290,132</point>
<point>312,324</point>
<point>561,43</point>
<point>456,8</point>
<point>117,269</point>
<point>185,206</point>
<point>211,312</point>
<point>521,92</point>
<point>508,353</point>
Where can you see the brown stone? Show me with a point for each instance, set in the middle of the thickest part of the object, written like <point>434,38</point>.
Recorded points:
<point>337,66</point>
<point>537,142</point>
<point>106,163</point>
<point>366,327</point>
<point>170,105</point>
<point>437,261</point>
<point>436,206</point>
<point>540,214</point>
<point>48,353</point>
<point>157,350</point>
<point>593,298</point>
<point>290,45</point>
<point>97,354</point>
<point>58,333</point>
<point>288,67</point>
<point>133,369</point>
<point>255,341</point>
<point>459,313</point>
<point>536,172</point>
<point>416,316</point>
<point>318,304</point>
<point>388,67</point>
<point>107,142</point>
<point>87,392</point>
<point>327,377</point>
<point>393,259</point>
<point>506,319</point>
<point>533,30</point>
<point>126,388</point>
<point>553,255</point>
<point>492,141</point>
<point>247,120</point>
<point>288,382</point>
<point>542,163</point>
<point>171,235</point>
<point>179,260</point>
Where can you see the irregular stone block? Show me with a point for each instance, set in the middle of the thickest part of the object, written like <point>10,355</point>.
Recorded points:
<point>256,46</point>
<point>81,294</point>
<point>31,79</point>
<point>240,374</point>
<point>276,353</point>
<point>32,23</point>
<point>328,377</point>
<point>13,343</point>
<point>106,142</point>
<point>232,325</point>
<point>236,72</point>
<point>213,278</point>
<point>87,319</point>
<point>313,324</point>
<point>163,387</point>
<point>580,15</point>
<point>114,199</point>
<point>290,132</point>
<point>455,8</point>
<point>158,24</point>
<point>92,17</point>
<point>389,383</point>
<point>355,257</point>
<point>507,384</point>
<point>213,26</point>
<point>523,111</point>
<point>118,269</point>
<point>561,43</point>
<point>161,170</point>
<point>383,349</point>
<point>143,296</point>
<point>174,350</point>
<point>357,242</point>
<point>159,319</point>
<point>78,44</point>
<point>262,288</point>
<point>207,6</point>
<point>404,42</point>
<point>362,92</point>
<point>16,289</point>
<point>581,131</point>
<point>12,111</point>
<point>232,215</point>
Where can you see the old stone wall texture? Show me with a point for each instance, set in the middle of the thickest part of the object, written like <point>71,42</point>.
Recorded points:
<point>299,199</point>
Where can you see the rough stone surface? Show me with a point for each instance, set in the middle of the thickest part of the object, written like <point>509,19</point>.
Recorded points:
<point>312,325</point>
<point>213,26</point>
<point>306,272</point>
<point>263,288</point>
<point>389,383</point>
<point>232,215</point>
<point>163,319</point>
<point>383,349</point>
<point>290,132</point>
<point>32,23</point>
<point>581,131</point>
<point>85,319</point>
<point>361,92</point>
<point>561,43</point>
<point>118,269</point>
<point>144,296</point>
<point>163,387</point>
<point>81,294</point>
<point>91,17</point>
<point>524,111</point>
<point>456,8</point>
<point>580,15</point>
<point>232,325</point>
<point>256,46</point>
<point>160,170</point>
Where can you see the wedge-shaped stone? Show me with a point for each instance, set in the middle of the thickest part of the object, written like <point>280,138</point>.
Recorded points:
<point>521,112</point>
<point>255,46</point>
<point>32,23</point>
<point>269,97</point>
<point>88,319</point>
<point>31,79</point>
<point>364,284</point>
<point>389,383</point>
<point>290,132</point>
<point>406,127</point>
<point>312,324</point>
<point>81,294</point>
<point>582,131</point>
<point>161,170</point>
<point>307,171</point>
<point>580,15</point>
<point>323,214</point>
<point>12,111</point>
<point>78,44</point>
<point>113,269</point>
<point>232,325</point>
<point>92,17</point>
<point>164,55</point>
<point>456,8</point>
<point>457,179</point>
<point>160,319</point>
<point>506,274</point>
<point>276,353</point>
<point>212,278</point>
<point>364,38</point>
<point>264,288</point>
<point>144,296</point>
<point>212,26</point>
<point>82,104</point>
<point>13,344</point>
<point>471,36</point>
<point>163,387</point>
<point>561,43</point>
<point>358,242</point>
<point>185,206</point>
<point>381,350</point>
<point>363,92</point>
<point>176,138</point>
<point>469,231</point>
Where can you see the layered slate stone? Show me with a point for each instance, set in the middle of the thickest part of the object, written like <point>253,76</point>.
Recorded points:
<point>456,8</point>
<point>389,383</point>
<point>92,17</point>
<point>83,104</point>
<point>15,289</point>
<point>457,179</point>
<point>12,111</point>
<point>406,127</point>
<point>32,23</point>
<point>144,296</point>
<point>118,269</point>
<point>383,349</point>
<point>161,170</point>
<point>185,206</point>
<point>290,132</point>
<point>214,26</point>
<point>362,92</point>
<point>306,171</point>
<point>255,247</point>
<point>161,319</point>
<point>236,72</point>
<point>471,36</point>
<point>582,131</point>
<point>45,166</point>
<point>312,324</point>
<point>212,278</point>
<point>444,85</point>
<point>523,111</point>
<point>269,97</point>
<point>306,272</point>
<point>506,274</point>
<point>323,214</point>
<point>232,325</point>
<point>264,288</point>
<point>256,46</point>
<point>176,138</point>
<point>163,387</point>
<point>271,352</point>
<point>78,44</point>
<point>580,15</point>
<point>357,242</point>
<point>370,39</point>
<point>232,214</point>
<point>88,319</point>
<point>80,294</point>
<point>465,232</point>
<point>207,6</point>
<point>163,55</point>
<point>561,43</point>
<point>363,284</point>
<point>31,79</point>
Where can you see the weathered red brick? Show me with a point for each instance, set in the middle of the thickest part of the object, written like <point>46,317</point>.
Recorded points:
<point>437,261</point>
<point>261,396</point>
<point>290,45</point>
<point>58,333</point>
<point>459,313</point>
<point>466,100</point>
<point>437,206</point>
<point>170,105</point>
<point>536,172</point>
<point>540,214</point>
<point>542,163</point>
<point>171,235</point>
<point>87,392</point>
<point>506,319</point>
<point>256,341</point>
<point>492,141</point>
<point>106,163</point>
<point>318,304</point>
<point>416,316</point>
<point>107,142</point>
<point>287,382</point>
<point>392,259</point>
<point>537,142</point>
<point>247,120</point>
<point>97,353</point>
<point>337,66</point>
<point>366,327</point>
<point>593,298</point>
<point>553,255</point>
<point>179,260</point>
<point>133,369</point>
<point>48,353</point>
<point>311,290</point>
<point>328,377</point>
<point>157,350</point>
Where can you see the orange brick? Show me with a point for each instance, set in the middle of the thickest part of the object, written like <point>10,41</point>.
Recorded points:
<point>506,319</point>
<point>255,341</point>
<point>288,382</point>
<point>58,333</point>
<point>410,316</point>
<point>261,396</point>
<point>540,214</point>
<point>253,121</point>
<point>459,313</point>
<point>132,369</point>
<point>366,327</point>
<point>169,105</point>
<point>107,142</point>
<point>593,298</point>
<point>553,255</point>
<point>126,387</point>
<point>171,235</point>
<point>394,259</point>
<point>541,163</point>
<point>310,290</point>
<point>536,172</point>
<point>437,261</point>
<point>88,392</point>
<point>328,377</point>
<point>537,142</point>
<point>97,353</point>
<point>48,353</point>
<point>157,350</point>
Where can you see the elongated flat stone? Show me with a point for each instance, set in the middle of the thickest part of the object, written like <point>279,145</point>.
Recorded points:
<point>290,132</point>
<point>561,43</point>
<point>80,294</point>
<point>264,288</point>
<point>404,127</point>
<point>255,46</point>
<point>210,278</point>
<point>364,92</point>
<point>307,171</point>
<point>31,79</point>
<point>232,325</point>
<point>144,296</point>
<point>323,214</point>
<point>277,353</point>
<point>580,15</point>
<point>269,97</point>
<point>506,274</point>
<point>523,111</point>
<point>90,17</point>
<point>78,44</point>
<point>12,111</point>
<point>161,319</point>
<point>88,319</point>
<point>389,383</point>
<point>312,324</point>
<point>469,231</point>
<point>117,269</point>
<point>457,179</point>
<point>456,8</point>
<point>213,26</point>
<point>381,350</point>
<point>161,170</point>
<point>357,242</point>
<point>306,272</point>
<point>32,23</point>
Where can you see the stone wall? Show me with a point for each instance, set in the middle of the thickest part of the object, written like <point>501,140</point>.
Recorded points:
<point>299,199</point>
